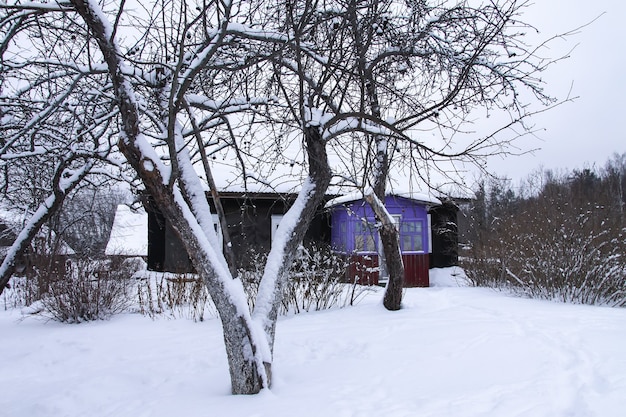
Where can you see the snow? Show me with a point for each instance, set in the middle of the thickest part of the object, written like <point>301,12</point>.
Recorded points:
<point>35,5</point>
<point>316,117</point>
<point>129,234</point>
<point>355,196</point>
<point>451,351</point>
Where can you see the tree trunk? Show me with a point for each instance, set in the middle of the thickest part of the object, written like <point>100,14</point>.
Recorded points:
<point>310,199</point>
<point>390,241</point>
<point>247,355</point>
<point>391,261</point>
<point>395,267</point>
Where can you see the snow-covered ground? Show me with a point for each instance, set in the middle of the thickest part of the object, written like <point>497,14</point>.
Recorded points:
<point>452,351</point>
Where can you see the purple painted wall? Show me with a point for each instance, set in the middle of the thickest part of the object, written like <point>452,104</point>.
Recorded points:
<point>353,226</point>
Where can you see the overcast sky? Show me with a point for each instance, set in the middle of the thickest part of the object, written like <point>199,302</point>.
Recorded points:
<point>585,132</point>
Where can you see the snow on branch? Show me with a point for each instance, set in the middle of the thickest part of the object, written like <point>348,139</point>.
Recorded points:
<point>358,122</point>
<point>195,194</point>
<point>256,34</point>
<point>53,6</point>
<point>275,259</point>
<point>231,105</point>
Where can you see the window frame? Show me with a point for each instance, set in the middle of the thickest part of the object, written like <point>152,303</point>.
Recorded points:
<point>365,230</point>
<point>412,230</point>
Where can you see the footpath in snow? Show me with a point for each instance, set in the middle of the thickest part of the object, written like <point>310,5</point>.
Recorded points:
<point>451,351</point>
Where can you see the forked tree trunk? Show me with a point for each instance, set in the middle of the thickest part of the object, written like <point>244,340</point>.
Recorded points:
<point>248,344</point>
<point>310,199</point>
<point>244,347</point>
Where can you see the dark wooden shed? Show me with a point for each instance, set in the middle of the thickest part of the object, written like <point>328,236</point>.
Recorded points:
<point>252,219</point>
<point>445,235</point>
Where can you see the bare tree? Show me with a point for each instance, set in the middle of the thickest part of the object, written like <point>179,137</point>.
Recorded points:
<point>176,83</point>
<point>427,66</point>
<point>52,137</point>
<point>173,83</point>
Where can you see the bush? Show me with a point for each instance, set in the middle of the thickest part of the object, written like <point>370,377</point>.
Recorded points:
<point>589,270</point>
<point>85,292</point>
<point>173,295</point>
<point>557,245</point>
<point>22,292</point>
<point>316,281</point>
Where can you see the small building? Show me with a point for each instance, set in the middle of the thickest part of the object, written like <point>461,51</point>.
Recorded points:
<point>252,219</point>
<point>46,251</point>
<point>354,233</point>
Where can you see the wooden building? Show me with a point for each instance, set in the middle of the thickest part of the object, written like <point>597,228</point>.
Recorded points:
<point>354,233</point>
<point>252,219</point>
<point>346,223</point>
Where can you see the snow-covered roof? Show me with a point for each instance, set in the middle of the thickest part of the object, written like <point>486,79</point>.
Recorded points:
<point>415,196</point>
<point>14,222</point>
<point>10,218</point>
<point>129,235</point>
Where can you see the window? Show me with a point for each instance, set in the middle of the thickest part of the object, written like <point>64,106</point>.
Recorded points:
<point>411,227</point>
<point>411,232</point>
<point>218,229</point>
<point>407,242</point>
<point>364,243</point>
<point>341,237</point>
<point>364,236</point>
<point>276,219</point>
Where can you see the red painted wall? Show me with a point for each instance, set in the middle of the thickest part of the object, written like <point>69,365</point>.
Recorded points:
<point>364,268</point>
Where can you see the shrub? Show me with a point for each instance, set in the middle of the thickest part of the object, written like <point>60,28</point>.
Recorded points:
<point>555,247</point>
<point>86,292</point>
<point>316,281</point>
<point>173,295</point>
<point>22,292</point>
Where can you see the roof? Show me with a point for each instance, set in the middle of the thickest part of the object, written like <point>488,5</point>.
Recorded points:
<point>415,196</point>
<point>11,224</point>
<point>129,234</point>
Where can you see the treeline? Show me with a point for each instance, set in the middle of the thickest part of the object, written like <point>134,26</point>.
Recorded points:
<point>558,236</point>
